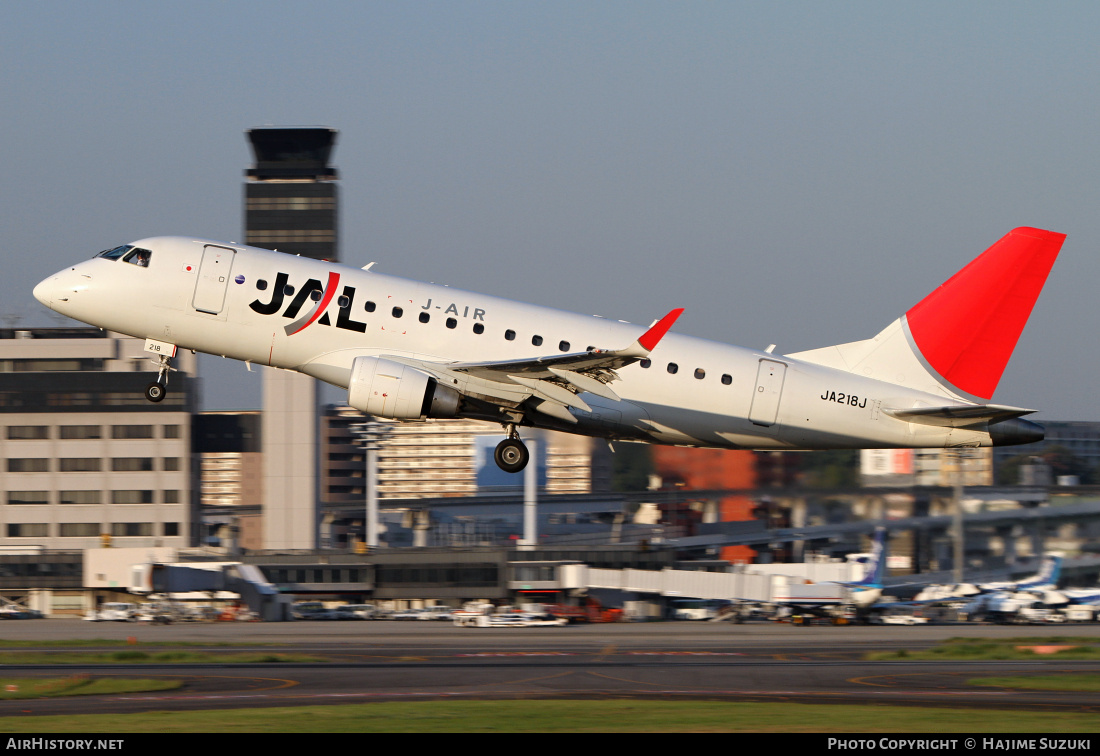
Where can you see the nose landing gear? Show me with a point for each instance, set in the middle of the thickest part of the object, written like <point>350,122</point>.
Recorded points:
<point>511,454</point>
<point>158,389</point>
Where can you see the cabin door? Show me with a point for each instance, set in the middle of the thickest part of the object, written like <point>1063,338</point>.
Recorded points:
<point>214,270</point>
<point>766,395</point>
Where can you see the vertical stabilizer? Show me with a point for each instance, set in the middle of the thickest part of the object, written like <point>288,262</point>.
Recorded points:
<point>876,564</point>
<point>1049,574</point>
<point>967,328</point>
<point>957,341</point>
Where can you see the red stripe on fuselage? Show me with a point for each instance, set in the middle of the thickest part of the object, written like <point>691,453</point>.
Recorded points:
<point>330,289</point>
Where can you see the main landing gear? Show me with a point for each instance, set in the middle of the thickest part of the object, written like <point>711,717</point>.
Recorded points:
<point>158,389</point>
<point>511,454</point>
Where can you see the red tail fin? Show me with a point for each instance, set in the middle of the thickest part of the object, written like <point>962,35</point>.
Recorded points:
<point>967,328</point>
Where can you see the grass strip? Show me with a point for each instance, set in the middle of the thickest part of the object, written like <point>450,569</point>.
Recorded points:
<point>1028,640</point>
<point>1084,682</point>
<point>1011,649</point>
<point>567,716</point>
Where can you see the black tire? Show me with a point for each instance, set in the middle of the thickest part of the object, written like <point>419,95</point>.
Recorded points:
<point>511,455</point>
<point>155,392</point>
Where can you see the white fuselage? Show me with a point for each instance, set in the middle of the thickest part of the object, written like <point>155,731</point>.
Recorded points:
<point>718,396</point>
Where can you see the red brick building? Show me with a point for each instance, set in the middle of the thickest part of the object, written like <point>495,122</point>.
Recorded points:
<point>702,469</point>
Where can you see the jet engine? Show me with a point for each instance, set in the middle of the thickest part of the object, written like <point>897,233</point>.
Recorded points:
<point>385,388</point>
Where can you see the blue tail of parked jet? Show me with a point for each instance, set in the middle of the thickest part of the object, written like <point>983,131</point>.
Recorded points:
<point>876,563</point>
<point>1049,574</point>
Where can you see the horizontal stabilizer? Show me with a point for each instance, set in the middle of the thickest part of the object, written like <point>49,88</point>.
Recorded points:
<point>957,416</point>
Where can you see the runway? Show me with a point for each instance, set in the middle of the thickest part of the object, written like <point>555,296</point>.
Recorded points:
<point>376,661</point>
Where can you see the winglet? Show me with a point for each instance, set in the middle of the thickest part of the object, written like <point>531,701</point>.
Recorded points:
<point>650,338</point>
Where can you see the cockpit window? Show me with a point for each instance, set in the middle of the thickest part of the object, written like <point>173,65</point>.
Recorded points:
<point>117,252</point>
<point>139,257</point>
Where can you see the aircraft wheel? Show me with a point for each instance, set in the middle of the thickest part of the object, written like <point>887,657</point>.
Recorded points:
<point>155,392</point>
<point>511,455</point>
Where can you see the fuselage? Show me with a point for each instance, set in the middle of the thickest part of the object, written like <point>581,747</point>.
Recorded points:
<point>317,317</point>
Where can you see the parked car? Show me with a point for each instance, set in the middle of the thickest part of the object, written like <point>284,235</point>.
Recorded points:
<point>407,614</point>
<point>361,611</point>
<point>437,613</point>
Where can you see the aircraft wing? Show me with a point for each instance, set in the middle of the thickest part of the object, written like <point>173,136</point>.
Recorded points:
<point>957,415</point>
<point>592,361</point>
<point>555,380</point>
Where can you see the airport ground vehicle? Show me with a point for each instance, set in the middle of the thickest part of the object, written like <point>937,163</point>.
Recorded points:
<point>113,611</point>
<point>508,619</point>
<point>901,619</point>
<point>696,609</point>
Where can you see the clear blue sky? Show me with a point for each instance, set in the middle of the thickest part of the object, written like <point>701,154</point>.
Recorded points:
<point>797,173</point>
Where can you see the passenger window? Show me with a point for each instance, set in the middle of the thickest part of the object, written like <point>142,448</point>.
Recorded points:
<point>369,306</point>
<point>563,346</point>
<point>343,302</point>
<point>673,367</point>
<point>261,284</point>
<point>315,295</point>
<point>727,379</point>
<point>398,312</point>
<point>479,328</point>
<point>425,317</point>
<point>288,290</point>
<point>536,340</point>
<point>451,322</point>
<point>510,335</point>
<point>700,373</point>
<point>646,362</point>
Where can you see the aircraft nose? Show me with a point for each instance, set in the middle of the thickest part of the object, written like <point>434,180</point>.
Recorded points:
<point>44,291</point>
<point>59,289</point>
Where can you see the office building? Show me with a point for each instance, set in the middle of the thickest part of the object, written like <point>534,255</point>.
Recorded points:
<point>87,461</point>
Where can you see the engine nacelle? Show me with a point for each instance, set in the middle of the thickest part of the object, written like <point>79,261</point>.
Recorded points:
<point>385,388</point>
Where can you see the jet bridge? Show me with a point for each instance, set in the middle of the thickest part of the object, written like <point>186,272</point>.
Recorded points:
<point>261,597</point>
<point>742,586</point>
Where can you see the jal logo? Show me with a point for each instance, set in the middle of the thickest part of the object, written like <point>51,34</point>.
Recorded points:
<point>322,294</point>
<point>316,314</point>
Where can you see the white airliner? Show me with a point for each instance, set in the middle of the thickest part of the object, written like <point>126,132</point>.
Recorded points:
<point>410,351</point>
<point>1046,579</point>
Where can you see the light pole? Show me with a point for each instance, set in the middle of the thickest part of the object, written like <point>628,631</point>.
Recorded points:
<point>530,499</point>
<point>961,455</point>
<point>372,434</point>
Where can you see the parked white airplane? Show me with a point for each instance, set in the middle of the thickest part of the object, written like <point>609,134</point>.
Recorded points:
<point>1046,579</point>
<point>409,351</point>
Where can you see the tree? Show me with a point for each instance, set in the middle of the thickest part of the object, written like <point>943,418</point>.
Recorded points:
<point>835,468</point>
<point>631,466</point>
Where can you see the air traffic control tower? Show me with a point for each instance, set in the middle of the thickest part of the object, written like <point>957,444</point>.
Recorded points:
<point>290,206</point>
